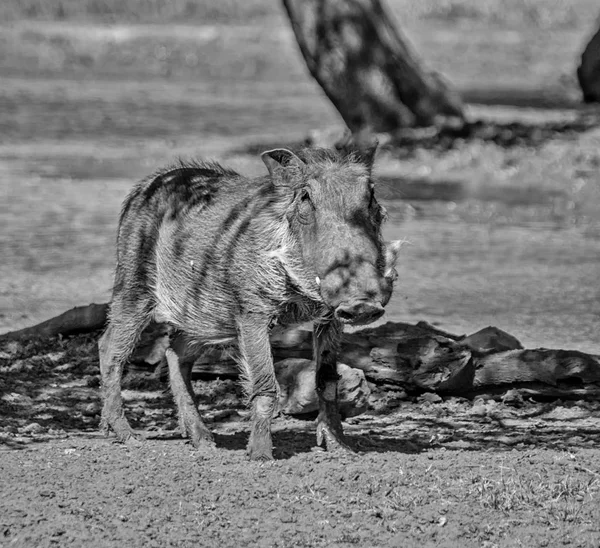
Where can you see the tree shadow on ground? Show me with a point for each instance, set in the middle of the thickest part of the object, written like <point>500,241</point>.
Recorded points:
<point>547,425</point>
<point>514,134</point>
<point>505,134</point>
<point>412,429</point>
<point>534,98</point>
<point>50,390</point>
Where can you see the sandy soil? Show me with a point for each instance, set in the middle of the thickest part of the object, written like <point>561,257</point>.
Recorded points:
<point>428,471</point>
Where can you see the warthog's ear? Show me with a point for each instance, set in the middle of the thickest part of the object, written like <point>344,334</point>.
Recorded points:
<point>280,158</point>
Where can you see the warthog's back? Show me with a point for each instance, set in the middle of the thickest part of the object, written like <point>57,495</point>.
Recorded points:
<point>201,239</point>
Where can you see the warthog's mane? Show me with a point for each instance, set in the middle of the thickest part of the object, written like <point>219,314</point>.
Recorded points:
<point>203,167</point>
<point>207,168</point>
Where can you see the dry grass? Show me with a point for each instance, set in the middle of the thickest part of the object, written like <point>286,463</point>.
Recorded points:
<point>554,498</point>
<point>553,493</point>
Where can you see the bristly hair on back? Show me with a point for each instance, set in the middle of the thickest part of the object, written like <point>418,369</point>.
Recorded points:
<point>181,170</point>
<point>202,166</point>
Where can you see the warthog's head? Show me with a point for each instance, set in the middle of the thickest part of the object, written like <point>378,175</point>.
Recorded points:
<point>335,221</point>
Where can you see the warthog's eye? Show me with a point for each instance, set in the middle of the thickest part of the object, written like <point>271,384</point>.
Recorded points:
<point>305,207</point>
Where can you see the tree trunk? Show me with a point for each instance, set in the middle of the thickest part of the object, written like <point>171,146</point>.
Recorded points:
<point>367,68</point>
<point>588,72</point>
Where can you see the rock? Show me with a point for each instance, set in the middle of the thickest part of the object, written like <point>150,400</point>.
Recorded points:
<point>65,367</point>
<point>479,408</point>
<point>17,398</point>
<point>16,367</point>
<point>152,345</point>
<point>32,428</point>
<point>513,397</point>
<point>477,411</point>
<point>91,409</point>
<point>430,397</point>
<point>11,348</point>
<point>93,382</point>
<point>54,357</point>
<point>296,378</point>
<point>482,406</point>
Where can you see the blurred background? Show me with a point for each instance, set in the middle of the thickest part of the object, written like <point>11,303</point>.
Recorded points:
<point>502,227</point>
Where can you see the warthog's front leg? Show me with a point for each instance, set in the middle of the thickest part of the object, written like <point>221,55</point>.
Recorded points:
<point>326,340</point>
<point>260,384</point>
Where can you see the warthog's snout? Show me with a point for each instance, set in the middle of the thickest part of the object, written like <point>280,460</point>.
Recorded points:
<point>359,312</point>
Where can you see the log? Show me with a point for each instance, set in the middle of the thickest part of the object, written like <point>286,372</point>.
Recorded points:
<point>550,367</point>
<point>418,358</point>
<point>80,319</point>
<point>394,356</point>
<point>367,69</point>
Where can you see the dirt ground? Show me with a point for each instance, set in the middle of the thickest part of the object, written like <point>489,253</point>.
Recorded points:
<point>502,227</point>
<point>428,472</point>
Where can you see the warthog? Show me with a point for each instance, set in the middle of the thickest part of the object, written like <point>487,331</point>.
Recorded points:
<point>223,259</point>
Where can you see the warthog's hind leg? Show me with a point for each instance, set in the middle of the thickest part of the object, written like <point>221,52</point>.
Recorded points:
<point>114,347</point>
<point>180,373</point>
<point>190,422</point>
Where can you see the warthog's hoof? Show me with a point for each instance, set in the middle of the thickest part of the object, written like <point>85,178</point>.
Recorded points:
<point>260,455</point>
<point>202,440</point>
<point>260,449</point>
<point>135,439</point>
<point>122,429</point>
<point>192,427</point>
<point>332,441</point>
